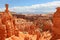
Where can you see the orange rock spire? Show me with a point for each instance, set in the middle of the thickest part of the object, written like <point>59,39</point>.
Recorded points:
<point>56,24</point>
<point>6,10</point>
<point>7,20</point>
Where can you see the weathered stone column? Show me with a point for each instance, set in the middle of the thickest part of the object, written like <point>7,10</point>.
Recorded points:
<point>6,6</point>
<point>56,25</point>
<point>2,31</point>
<point>7,19</point>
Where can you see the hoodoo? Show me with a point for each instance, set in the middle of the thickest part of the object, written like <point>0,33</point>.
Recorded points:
<point>6,5</point>
<point>7,19</point>
<point>56,24</point>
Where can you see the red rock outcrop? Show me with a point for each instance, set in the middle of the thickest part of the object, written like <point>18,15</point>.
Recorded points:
<point>7,20</point>
<point>18,29</point>
<point>56,25</point>
<point>2,31</point>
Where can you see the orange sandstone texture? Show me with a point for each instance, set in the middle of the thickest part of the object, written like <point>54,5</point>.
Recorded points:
<point>56,25</point>
<point>23,36</point>
<point>13,30</point>
<point>7,20</point>
<point>2,31</point>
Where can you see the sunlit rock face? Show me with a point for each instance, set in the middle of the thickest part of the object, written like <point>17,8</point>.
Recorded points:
<point>23,36</point>
<point>7,20</point>
<point>19,29</point>
<point>56,23</point>
<point>2,31</point>
<point>56,20</point>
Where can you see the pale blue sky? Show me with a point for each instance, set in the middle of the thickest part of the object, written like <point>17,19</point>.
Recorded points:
<point>23,2</point>
<point>30,5</point>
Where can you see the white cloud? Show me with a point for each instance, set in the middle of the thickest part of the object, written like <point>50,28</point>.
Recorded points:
<point>38,8</point>
<point>2,9</point>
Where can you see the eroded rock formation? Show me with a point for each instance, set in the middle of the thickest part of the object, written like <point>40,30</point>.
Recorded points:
<point>19,29</point>
<point>7,20</point>
<point>56,25</point>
